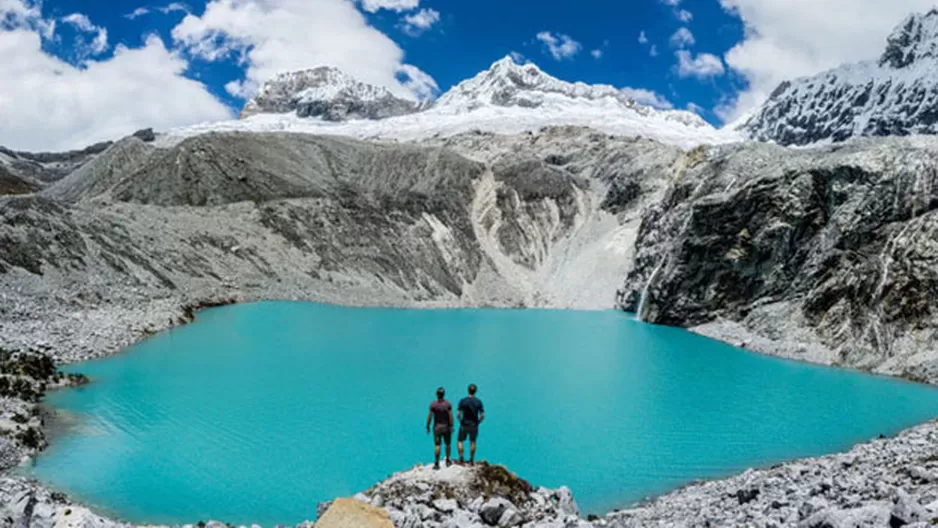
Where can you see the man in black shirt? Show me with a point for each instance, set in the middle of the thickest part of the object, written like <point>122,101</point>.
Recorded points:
<point>471,414</point>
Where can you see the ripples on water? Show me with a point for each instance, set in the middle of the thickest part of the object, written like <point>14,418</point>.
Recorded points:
<point>256,413</point>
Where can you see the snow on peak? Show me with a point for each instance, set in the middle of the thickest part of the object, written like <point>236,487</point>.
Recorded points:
<point>509,84</point>
<point>328,93</point>
<point>896,96</point>
<point>508,98</point>
<point>916,38</point>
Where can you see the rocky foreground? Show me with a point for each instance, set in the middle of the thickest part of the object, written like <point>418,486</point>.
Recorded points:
<point>885,483</point>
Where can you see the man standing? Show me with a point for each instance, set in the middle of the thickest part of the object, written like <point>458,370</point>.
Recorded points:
<point>441,413</point>
<point>471,414</point>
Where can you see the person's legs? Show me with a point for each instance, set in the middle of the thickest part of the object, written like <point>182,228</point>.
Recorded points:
<point>473,435</point>
<point>449,440</point>
<point>437,438</point>
<point>459,440</point>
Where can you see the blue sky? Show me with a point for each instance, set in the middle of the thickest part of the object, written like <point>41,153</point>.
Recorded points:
<point>467,39</point>
<point>79,71</point>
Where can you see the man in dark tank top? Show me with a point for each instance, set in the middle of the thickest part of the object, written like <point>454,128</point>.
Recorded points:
<point>441,414</point>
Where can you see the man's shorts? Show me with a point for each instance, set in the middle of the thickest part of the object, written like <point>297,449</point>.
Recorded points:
<point>472,431</point>
<point>442,432</point>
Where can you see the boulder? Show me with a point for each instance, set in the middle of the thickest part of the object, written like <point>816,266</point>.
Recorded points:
<point>493,509</point>
<point>351,513</point>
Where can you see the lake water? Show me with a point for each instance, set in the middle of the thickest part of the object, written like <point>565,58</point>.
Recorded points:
<point>255,413</point>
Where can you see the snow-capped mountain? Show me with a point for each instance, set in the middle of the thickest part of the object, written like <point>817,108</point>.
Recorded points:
<point>326,93</point>
<point>894,96</point>
<point>508,98</point>
<point>508,84</point>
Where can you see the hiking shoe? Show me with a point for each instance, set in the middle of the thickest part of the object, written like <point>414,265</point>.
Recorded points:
<point>436,465</point>
<point>449,462</point>
<point>461,461</point>
<point>472,462</point>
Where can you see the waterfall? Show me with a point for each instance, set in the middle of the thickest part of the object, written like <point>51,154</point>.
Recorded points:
<point>640,313</point>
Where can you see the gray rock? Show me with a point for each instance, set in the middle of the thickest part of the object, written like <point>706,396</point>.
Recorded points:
<point>509,518</point>
<point>492,510</point>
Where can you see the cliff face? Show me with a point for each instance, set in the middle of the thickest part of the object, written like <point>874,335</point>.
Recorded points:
<point>141,232</point>
<point>824,254</point>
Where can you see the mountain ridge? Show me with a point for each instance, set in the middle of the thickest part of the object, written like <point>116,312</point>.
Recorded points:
<point>896,95</point>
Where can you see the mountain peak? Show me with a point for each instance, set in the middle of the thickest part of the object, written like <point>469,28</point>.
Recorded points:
<point>914,39</point>
<point>895,96</point>
<point>328,93</point>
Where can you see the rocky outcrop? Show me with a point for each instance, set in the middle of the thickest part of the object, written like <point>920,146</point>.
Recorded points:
<point>329,94</point>
<point>823,255</point>
<point>352,513</point>
<point>895,96</point>
<point>477,496</point>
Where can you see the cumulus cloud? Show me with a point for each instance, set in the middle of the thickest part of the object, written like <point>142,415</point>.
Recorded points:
<point>642,38</point>
<point>98,45</point>
<point>54,105</point>
<point>275,36</point>
<point>373,6</point>
<point>653,51</point>
<point>559,46</point>
<point>702,66</point>
<point>648,98</point>
<point>785,40</point>
<point>420,21</point>
<point>682,38</point>
<point>684,15</point>
<point>597,53</point>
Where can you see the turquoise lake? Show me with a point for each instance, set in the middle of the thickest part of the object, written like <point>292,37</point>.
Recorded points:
<point>255,413</point>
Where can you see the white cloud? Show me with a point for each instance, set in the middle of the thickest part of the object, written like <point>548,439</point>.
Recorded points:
<point>559,46</point>
<point>420,21</point>
<point>372,6</point>
<point>518,57</point>
<point>137,13</point>
<point>648,98</point>
<point>682,38</point>
<point>792,38</point>
<point>276,36</point>
<point>671,2</point>
<point>174,7</point>
<point>171,8</point>
<point>653,51</point>
<point>695,108</point>
<point>418,82</point>
<point>597,53</point>
<point>702,66</point>
<point>642,38</point>
<point>83,23</point>
<point>684,15</point>
<point>54,105</point>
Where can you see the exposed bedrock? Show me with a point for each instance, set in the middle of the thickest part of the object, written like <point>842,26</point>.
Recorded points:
<point>827,254</point>
<point>119,247</point>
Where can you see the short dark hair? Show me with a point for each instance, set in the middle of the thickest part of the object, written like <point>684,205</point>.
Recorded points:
<point>440,392</point>
<point>472,388</point>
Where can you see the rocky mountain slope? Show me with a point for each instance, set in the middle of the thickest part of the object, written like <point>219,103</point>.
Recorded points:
<point>508,98</point>
<point>141,232</point>
<point>894,96</point>
<point>326,93</point>
<point>825,254</point>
